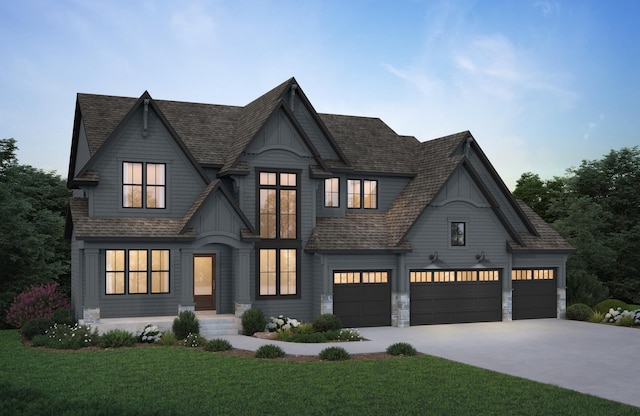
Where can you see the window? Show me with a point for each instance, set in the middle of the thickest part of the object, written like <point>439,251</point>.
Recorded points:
<point>130,271</point>
<point>362,194</point>
<point>140,179</point>
<point>332,192</point>
<point>458,236</point>
<point>444,276</point>
<point>532,274</point>
<point>346,278</point>
<point>277,254</point>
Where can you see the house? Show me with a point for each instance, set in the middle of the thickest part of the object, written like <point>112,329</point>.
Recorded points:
<point>187,206</point>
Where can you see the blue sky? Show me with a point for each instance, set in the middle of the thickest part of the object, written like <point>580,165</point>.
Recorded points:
<point>542,85</point>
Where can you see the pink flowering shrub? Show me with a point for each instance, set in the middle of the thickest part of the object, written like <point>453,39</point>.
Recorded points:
<point>36,302</point>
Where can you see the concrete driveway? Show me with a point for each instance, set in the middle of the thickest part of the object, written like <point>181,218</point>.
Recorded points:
<point>596,359</point>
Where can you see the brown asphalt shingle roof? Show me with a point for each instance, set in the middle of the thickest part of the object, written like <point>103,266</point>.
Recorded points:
<point>547,239</point>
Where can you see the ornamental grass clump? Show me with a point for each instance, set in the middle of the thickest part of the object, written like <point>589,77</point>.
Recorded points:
<point>36,302</point>
<point>270,351</point>
<point>334,354</point>
<point>217,344</point>
<point>596,317</point>
<point>117,338</point>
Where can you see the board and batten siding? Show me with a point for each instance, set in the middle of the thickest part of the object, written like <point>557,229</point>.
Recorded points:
<point>183,184</point>
<point>83,154</point>
<point>312,131</point>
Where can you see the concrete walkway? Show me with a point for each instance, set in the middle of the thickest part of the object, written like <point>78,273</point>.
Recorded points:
<point>600,360</point>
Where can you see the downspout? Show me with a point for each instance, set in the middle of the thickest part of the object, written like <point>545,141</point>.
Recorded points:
<point>145,117</point>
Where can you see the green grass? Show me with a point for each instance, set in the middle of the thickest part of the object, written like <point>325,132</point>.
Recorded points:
<point>188,381</point>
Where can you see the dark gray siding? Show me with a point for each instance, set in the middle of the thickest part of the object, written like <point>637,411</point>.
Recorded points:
<point>82,155</point>
<point>77,292</point>
<point>313,132</point>
<point>278,133</point>
<point>183,182</point>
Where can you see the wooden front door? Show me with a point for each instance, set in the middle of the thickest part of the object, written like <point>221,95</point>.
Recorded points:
<point>204,281</point>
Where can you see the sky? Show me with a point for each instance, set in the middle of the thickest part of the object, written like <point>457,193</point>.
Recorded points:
<point>541,85</point>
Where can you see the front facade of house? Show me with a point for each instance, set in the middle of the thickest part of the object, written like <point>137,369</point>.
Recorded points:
<point>186,206</point>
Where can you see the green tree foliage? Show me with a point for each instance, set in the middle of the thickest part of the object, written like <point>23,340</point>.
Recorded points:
<point>597,209</point>
<point>33,208</point>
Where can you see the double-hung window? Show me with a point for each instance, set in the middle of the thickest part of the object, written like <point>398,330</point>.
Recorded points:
<point>332,192</point>
<point>143,185</point>
<point>362,193</point>
<point>134,271</point>
<point>278,250</point>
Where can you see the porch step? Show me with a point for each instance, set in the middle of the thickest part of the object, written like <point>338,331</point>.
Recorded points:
<point>221,325</point>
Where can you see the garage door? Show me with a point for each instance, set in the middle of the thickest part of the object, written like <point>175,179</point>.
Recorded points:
<point>534,293</point>
<point>362,298</point>
<point>454,296</point>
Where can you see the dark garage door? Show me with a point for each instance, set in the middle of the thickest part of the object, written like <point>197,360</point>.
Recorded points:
<point>454,296</point>
<point>362,299</point>
<point>534,293</point>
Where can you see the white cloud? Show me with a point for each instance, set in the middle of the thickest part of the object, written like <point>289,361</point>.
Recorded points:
<point>591,126</point>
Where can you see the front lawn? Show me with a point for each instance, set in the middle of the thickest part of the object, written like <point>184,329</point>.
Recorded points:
<point>158,380</point>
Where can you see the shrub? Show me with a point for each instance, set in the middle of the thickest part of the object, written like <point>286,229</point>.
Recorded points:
<point>281,323</point>
<point>626,320</point>
<point>67,337</point>
<point>401,348</point>
<point>350,334</point>
<point>168,339</point>
<point>604,306</point>
<point>117,338</point>
<point>253,321</point>
<point>193,340</point>
<point>36,302</point>
<point>37,326</point>
<point>150,333</point>
<point>186,323</point>
<point>63,316</point>
<point>218,344</point>
<point>579,312</point>
<point>305,328</point>
<point>269,351</point>
<point>334,354</point>
<point>313,338</point>
<point>597,317</point>
<point>327,322</point>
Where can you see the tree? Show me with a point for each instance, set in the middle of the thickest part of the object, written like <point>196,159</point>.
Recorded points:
<point>539,194</point>
<point>33,208</point>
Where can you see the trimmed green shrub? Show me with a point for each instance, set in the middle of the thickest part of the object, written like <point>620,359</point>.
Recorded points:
<point>253,321</point>
<point>269,351</point>
<point>67,337</point>
<point>313,338</point>
<point>217,344</point>
<point>63,316</point>
<point>604,306</point>
<point>579,312</point>
<point>401,348</point>
<point>37,326</point>
<point>193,340</point>
<point>168,339</point>
<point>334,354</point>
<point>186,323</point>
<point>116,338</point>
<point>327,322</point>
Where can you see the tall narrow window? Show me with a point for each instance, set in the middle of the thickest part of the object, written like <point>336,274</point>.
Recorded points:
<point>458,236</point>
<point>137,271</point>
<point>155,185</point>
<point>332,192</point>
<point>115,272</point>
<point>159,271</point>
<point>277,254</point>
<point>132,185</point>
<point>370,194</point>
<point>143,186</point>
<point>353,193</point>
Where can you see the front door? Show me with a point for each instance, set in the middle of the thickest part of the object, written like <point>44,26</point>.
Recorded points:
<point>204,281</point>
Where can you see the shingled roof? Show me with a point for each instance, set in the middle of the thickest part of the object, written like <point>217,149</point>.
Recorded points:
<point>547,239</point>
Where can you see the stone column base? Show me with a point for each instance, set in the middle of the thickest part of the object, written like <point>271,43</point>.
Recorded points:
<point>182,308</point>
<point>562,303</point>
<point>507,306</point>
<point>326,304</point>
<point>240,309</point>
<point>400,311</point>
<point>91,316</point>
